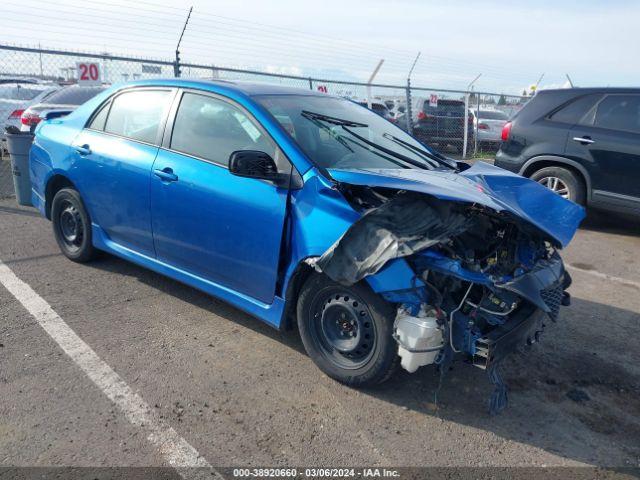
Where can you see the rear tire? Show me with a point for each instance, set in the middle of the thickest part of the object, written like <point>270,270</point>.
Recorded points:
<point>562,181</point>
<point>347,331</point>
<point>72,226</point>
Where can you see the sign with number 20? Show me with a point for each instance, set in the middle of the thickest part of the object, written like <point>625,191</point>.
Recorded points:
<point>88,73</point>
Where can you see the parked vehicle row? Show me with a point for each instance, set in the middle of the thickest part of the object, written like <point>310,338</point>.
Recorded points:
<point>381,109</point>
<point>26,102</point>
<point>57,104</point>
<point>440,124</point>
<point>16,96</point>
<point>278,200</point>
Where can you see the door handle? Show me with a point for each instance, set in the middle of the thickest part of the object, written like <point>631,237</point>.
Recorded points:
<point>83,149</point>
<point>583,140</point>
<point>166,175</point>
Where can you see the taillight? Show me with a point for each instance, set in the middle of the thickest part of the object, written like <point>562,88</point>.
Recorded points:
<point>16,114</point>
<point>483,126</point>
<point>506,132</point>
<point>30,118</point>
<point>421,115</point>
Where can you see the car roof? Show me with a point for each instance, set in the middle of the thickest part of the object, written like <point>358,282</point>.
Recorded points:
<point>246,88</point>
<point>588,90</point>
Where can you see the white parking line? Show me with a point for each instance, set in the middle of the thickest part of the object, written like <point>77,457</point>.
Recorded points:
<point>605,276</point>
<point>174,449</point>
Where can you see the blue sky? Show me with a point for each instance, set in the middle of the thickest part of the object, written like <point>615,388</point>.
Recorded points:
<point>510,43</point>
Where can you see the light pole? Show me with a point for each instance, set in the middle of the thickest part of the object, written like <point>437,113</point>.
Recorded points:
<point>370,81</point>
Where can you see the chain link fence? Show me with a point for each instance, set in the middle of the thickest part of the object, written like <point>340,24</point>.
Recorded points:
<point>466,124</point>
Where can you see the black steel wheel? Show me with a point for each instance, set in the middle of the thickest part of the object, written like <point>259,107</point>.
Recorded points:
<point>347,331</point>
<point>71,225</point>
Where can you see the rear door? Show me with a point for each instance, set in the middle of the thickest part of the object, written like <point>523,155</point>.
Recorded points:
<point>113,160</point>
<point>223,228</point>
<point>608,138</point>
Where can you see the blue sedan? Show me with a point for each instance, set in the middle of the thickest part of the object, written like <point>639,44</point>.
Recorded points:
<point>303,208</point>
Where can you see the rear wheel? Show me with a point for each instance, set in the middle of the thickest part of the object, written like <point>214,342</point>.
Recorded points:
<point>347,331</point>
<point>71,226</point>
<point>562,181</point>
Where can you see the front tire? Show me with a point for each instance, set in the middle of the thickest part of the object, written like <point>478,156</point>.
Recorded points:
<point>347,331</point>
<point>563,182</point>
<point>72,226</point>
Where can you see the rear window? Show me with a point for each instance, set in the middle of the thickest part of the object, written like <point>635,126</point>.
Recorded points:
<point>492,115</point>
<point>445,109</point>
<point>21,91</point>
<point>73,95</point>
<point>573,112</point>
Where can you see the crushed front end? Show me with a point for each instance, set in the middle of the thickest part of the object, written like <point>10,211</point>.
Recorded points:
<point>485,282</point>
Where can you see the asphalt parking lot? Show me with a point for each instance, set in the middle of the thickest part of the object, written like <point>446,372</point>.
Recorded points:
<point>243,394</point>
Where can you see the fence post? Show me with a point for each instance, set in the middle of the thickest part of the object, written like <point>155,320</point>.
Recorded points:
<point>408,116</point>
<point>476,126</point>
<point>310,84</point>
<point>465,136</point>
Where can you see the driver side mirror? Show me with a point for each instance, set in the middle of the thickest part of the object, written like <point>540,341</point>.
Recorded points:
<point>258,165</point>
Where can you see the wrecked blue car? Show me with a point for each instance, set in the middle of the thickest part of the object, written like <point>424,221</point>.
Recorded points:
<point>306,209</point>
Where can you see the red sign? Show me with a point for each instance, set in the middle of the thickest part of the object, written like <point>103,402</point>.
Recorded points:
<point>433,100</point>
<point>89,73</point>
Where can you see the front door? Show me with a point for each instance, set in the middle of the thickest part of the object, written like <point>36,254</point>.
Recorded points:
<point>206,221</point>
<point>608,138</point>
<point>114,156</point>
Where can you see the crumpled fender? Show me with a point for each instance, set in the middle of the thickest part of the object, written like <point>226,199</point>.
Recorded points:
<point>327,216</point>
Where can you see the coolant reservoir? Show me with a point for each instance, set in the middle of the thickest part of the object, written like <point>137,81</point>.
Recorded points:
<point>419,337</point>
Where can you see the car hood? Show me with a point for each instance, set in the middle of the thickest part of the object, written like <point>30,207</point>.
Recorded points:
<point>483,184</point>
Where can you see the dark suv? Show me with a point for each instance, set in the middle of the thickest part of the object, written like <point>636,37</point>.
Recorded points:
<point>583,143</point>
<point>442,123</point>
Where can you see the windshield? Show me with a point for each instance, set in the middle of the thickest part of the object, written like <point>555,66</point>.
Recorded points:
<point>338,133</point>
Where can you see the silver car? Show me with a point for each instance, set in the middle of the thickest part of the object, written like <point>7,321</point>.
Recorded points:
<point>58,104</point>
<point>16,97</point>
<point>488,125</point>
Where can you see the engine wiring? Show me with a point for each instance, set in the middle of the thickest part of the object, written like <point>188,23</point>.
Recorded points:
<point>451,317</point>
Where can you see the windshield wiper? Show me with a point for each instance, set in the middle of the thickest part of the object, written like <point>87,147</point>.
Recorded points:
<point>343,140</point>
<point>334,120</point>
<point>313,116</point>
<point>428,155</point>
<point>404,158</point>
<point>328,130</point>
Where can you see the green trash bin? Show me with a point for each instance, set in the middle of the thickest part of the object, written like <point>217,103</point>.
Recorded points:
<point>18,146</point>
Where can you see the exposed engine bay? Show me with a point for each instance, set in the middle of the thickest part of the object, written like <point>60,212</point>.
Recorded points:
<point>485,281</point>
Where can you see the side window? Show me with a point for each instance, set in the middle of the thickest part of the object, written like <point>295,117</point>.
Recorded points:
<point>137,114</point>
<point>212,129</point>
<point>619,112</point>
<point>100,118</point>
<point>575,110</point>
